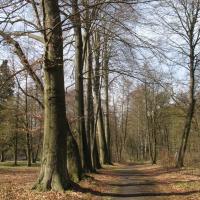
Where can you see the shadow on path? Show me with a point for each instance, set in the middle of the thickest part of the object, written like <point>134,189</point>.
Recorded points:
<point>137,181</point>
<point>145,194</point>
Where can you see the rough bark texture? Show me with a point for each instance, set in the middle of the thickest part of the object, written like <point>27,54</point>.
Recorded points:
<point>103,151</point>
<point>87,164</point>
<point>73,159</point>
<point>54,174</point>
<point>89,105</point>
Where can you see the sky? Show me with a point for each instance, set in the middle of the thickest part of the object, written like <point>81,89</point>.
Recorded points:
<point>148,30</point>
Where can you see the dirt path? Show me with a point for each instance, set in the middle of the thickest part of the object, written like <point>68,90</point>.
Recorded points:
<point>118,182</point>
<point>135,182</point>
<point>142,182</point>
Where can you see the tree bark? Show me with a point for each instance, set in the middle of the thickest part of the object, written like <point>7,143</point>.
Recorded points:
<point>16,131</point>
<point>188,121</point>
<point>87,164</point>
<point>53,173</point>
<point>191,106</point>
<point>15,148</point>
<point>28,137</point>
<point>73,158</point>
<point>103,151</point>
<point>2,156</point>
<point>106,82</point>
<point>90,126</point>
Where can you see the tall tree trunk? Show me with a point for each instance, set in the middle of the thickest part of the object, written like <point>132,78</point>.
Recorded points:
<point>116,132</point>
<point>154,160</point>
<point>191,106</point>
<point>73,158</point>
<point>16,130</point>
<point>87,164</point>
<point>95,152</point>
<point>95,155</point>
<point>15,147</point>
<point>90,120</point>
<point>89,106</point>
<point>28,137</point>
<point>2,156</point>
<point>192,9</point>
<point>103,151</point>
<point>106,82</point>
<point>153,128</point>
<point>102,140</point>
<point>53,173</point>
<point>148,124</point>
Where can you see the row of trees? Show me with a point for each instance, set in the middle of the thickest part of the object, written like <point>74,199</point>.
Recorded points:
<point>69,149</point>
<point>101,114</point>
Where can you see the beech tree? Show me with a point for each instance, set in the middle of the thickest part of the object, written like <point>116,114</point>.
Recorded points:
<point>76,21</point>
<point>54,174</point>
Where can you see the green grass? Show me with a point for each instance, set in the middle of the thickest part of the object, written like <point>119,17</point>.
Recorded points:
<point>9,164</point>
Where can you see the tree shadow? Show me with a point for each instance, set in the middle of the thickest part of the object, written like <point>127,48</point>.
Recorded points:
<point>136,177</point>
<point>78,188</point>
<point>151,183</point>
<point>137,173</point>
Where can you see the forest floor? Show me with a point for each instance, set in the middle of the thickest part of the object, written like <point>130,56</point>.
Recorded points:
<point>136,182</point>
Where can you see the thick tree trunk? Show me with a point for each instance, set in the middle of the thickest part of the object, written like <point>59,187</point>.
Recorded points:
<point>87,164</point>
<point>25,154</point>
<point>33,160</point>
<point>73,159</point>
<point>2,156</point>
<point>95,156</point>
<point>53,173</point>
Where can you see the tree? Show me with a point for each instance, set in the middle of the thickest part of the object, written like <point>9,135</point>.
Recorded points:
<point>186,27</point>
<point>103,150</point>
<point>6,93</point>
<point>192,9</point>
<point>53,173</point>
<point>7,83</point>
<point>76,20</point>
